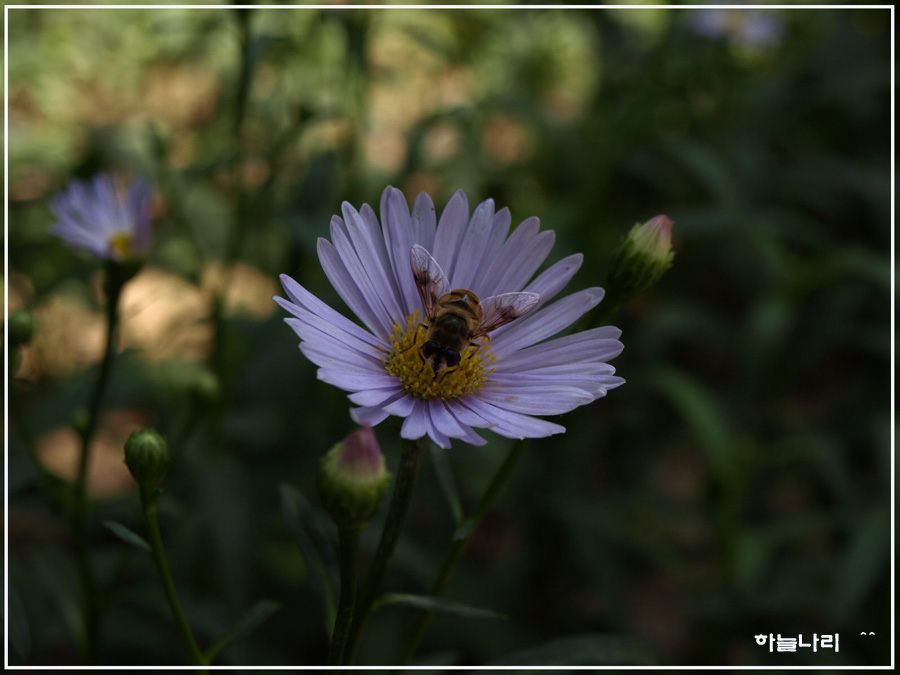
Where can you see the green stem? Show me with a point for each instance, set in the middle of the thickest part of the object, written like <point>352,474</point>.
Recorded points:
<point>403,488</point>
<point>148,503</point>
<point>90,604</point>
<point>242,98</point>
<point>236,238</point>
<point>460,541</point>
<point>349,544</point>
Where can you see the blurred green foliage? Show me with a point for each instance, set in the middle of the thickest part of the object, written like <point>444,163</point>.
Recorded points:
<point>738,484</point>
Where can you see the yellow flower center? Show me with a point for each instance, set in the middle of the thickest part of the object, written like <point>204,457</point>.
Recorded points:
<point>120,243</point>
<point>415,374</point>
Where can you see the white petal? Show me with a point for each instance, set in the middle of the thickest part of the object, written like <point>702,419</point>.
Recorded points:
<point>358,382</point>
<point>303,298</point>
<point>546,322</point>
<point>552,280</point>
<point>473,247</point>
<point>346,287</point>
<point>538,400</point>
<point>368,244</point>
<point>377,295</point>
<point>306,321</point>
<point>596,344</point>
<point>509,255</point>
<point>510,424</point>
<point>376,414</point>
<point>450,230</point>
<point>416,423</point>
<point>402,406</point>
<point>531,258</point>
<point>398,237</point>
<point>451,425</point>
<point>424,221</point>
<point>595,378</point>
<point>371,415</point>
<point>372,397</point>
<point>434,433</point>
<point>331,356</point>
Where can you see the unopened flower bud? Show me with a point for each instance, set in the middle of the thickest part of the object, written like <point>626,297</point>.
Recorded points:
<point>641,259</point>
<point>148,459</point>
<point>80,420</point>
<point>20,328</point>
<point>353,479</point>
<point>207,387</point>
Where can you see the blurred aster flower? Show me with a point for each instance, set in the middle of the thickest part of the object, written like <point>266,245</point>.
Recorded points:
<point>745,27</point>
<point>105,217</point>
<point>500,383</point>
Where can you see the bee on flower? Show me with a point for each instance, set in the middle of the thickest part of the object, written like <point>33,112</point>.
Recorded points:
<point>457,330</point>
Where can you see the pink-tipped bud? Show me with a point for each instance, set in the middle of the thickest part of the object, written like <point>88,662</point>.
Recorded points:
<point>640,260</point>
<point>654,238</point>
<point>353,479</point>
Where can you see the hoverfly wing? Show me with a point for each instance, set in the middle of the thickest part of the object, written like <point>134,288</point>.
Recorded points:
<point>430,279</point>
<point>499,310</point>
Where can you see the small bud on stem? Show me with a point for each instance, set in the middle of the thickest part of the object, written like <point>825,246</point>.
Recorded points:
<point>353,479</point>
<point>147,456</point>
<point>640,260</point>
<point>20,328</point>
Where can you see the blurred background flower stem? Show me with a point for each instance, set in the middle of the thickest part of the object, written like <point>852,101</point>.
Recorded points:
<point>239,226</point>
<point>116,276</point>
<point>410,461</point>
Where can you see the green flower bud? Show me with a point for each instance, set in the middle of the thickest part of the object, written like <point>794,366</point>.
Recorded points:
<point>207,387</point>
<point>148,459</point>
<point>353,479</point>
<point>80,420</point>
<point>641,259</point>
<point>20,328</point>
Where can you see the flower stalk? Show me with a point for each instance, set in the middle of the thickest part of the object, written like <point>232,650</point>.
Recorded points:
<point>461,540</point>
<point>148,459</point>
<point>352,482</point>
<point>116,276</point>
<point>349,547</point>
<point>408,471</point>
<point>148,506</point>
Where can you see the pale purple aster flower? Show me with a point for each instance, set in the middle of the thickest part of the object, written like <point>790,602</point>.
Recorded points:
<point>105,216</point>
<point>501,384</point>
<point>746,27</point>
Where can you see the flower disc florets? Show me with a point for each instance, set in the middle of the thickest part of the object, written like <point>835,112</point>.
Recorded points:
<point>406,363</point>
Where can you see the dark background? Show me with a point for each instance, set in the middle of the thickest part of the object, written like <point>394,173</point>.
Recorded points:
<point>737,484</point>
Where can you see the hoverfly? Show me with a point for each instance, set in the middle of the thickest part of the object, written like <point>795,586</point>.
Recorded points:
<point>456,318</point>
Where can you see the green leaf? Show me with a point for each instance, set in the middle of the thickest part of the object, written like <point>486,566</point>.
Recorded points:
<point>431,603</point>
<point>754,555</point>
<point>862,563</point>
<point>464,530</point>
<point>257,614</point>
<point>580,650</point>
<point>703,411</point>
<point>445,479</point>
<point>127,535</point>
<point>19,632</point>
<point>316,548</point>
